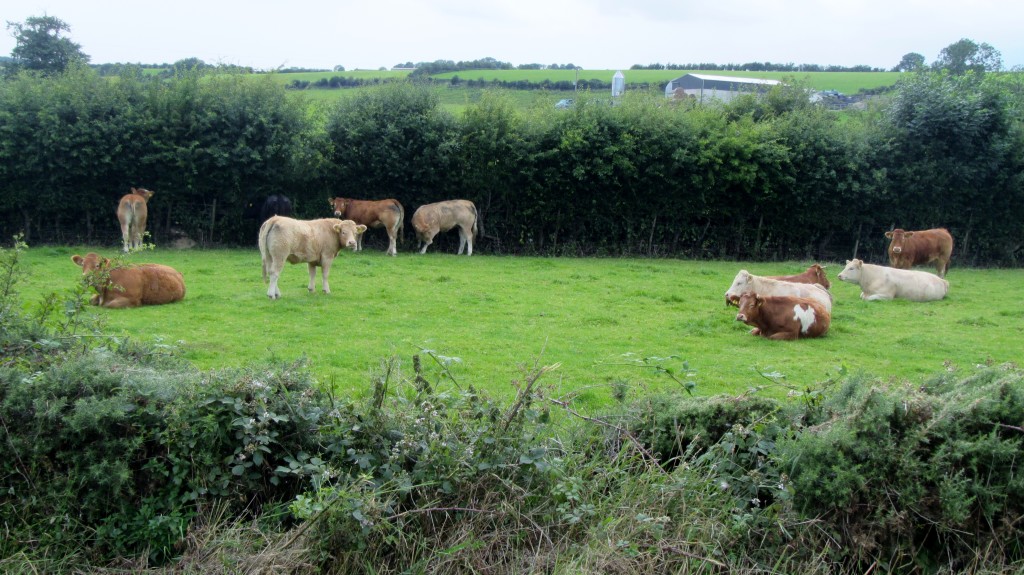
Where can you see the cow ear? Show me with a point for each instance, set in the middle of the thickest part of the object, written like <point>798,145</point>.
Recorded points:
<point>908,234</point>
<point>760,300</point>
<point>888,235</point>
<point>336,228</point>
<point>360,229</point>
<point>330,201</point>
<point>79,260</point>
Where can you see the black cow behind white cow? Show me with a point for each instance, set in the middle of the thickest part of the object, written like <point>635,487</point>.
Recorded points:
<point>259,209</point>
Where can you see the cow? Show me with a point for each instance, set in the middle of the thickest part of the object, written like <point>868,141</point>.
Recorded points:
<point>132,214</point>
<point>746,281</point>
<point>315,242</point>
<point>783,317</point>
<point>275,205</point>
<point>884,283</point>
<point>812,275</point>
<point>388,214</point>
<point>130,285</point>
<point>908,249</point>
<point>430,219</point>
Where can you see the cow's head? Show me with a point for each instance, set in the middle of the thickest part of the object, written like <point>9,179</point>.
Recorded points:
<point>750,307</point>
<point>348,233</point>
<point>851,273</point>
<point>739,285</point>
<point>338,205</point>
<point>91,262</point>
<point>143,193</point>
<point>820,277</point>
<point>897,236</point>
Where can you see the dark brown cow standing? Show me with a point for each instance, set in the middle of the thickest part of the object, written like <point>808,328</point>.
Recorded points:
<point>132,285</point>
<point>388,214</point>
<point>908,249</point>
<point>813,275</point>
<point>132,214</point>
<point>783,317</point>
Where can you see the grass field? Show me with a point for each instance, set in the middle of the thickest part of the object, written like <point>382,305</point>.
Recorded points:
<point>498,313</point>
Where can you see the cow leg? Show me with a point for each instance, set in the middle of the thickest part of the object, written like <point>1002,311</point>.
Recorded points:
<point>325,271</point>
<point>312,277</point>
<point>272,290</point>
<point>392,243</point>
<point>126,237</point>
<point>426,243</point>
<point>469,241</point>
<point>875,296</point>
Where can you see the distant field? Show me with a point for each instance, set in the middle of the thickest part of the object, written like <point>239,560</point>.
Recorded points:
<point>497,313</point>
<point>845,82</point>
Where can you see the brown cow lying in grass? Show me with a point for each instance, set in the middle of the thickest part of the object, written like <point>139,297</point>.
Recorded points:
<point>315,242</point>
<point>130,285</point>
<point>783,317</point>
<point>813,275</point>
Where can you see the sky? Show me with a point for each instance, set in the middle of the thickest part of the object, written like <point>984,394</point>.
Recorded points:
<point>592,34</point>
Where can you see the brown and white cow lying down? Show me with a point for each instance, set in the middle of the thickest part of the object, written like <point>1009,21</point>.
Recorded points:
<point>746,281</point>
<point>431,219</point>
<point>388,214</point>
<point>813,275</point>
<point>131,214</point>
<point>908,249</point>
<point>783,317</point>
<point>881,282</point>
<point>315,242</point>
<point>132,285</point>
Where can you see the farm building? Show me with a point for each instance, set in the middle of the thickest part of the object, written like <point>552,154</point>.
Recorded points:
<point>705,87</point>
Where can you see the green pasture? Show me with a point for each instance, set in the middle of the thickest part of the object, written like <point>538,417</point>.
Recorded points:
<point>594,318</point>
<point>845,82</point>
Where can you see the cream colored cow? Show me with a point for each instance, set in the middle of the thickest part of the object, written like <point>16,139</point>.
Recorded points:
<point>748,282</point>
<point>431,219</point>
<point>315,242</point>
<point>881,282</point>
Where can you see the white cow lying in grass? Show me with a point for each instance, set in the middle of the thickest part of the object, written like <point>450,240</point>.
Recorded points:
<point>315,242</point>
<point>881,282</point>
<point>748,282</point>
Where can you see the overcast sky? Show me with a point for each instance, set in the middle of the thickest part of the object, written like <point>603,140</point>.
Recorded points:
<point>593,34</point>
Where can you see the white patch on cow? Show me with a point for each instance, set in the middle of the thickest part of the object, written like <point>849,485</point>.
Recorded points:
<point>804,316</point>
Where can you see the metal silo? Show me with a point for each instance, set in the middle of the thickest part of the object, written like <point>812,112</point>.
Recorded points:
<point>618,84</point>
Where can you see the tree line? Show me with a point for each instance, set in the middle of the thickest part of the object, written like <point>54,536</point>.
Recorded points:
<point>768,177</point>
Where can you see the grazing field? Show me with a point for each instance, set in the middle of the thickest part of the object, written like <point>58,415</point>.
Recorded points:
<point>496,314</point>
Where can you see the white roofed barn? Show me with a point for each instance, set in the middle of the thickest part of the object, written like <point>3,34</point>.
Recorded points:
<point>705,87</point>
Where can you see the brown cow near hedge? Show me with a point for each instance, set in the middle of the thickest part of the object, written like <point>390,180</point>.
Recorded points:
<point>908,249</point>
<point>131,214</point>
<point>387,214</point>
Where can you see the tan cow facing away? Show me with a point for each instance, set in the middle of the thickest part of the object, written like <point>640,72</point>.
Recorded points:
<point>315,242</point>
<point>132,214</point>
<point>388,214</point>
<point>431,219</point>
<point>908,249</point>
<point>131,285</point>
<point>812,275</point>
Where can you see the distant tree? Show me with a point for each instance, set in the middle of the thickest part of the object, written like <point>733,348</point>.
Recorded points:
<point>968,56</point>
<point>40,45</point>
<point>339,68</point>
<point>910,62</point>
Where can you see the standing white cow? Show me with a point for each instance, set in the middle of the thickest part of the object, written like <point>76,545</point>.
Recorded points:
<point>430,219</point>
<point>315,242</point>
<point>746,281</point>
<point>881,282</point>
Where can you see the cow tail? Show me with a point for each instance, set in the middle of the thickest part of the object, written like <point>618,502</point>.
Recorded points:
<point>401,223</point>
<point>477,224</point>
<point>264,242</point>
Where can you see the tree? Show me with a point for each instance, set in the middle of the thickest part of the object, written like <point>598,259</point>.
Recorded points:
<point>911,62</point>
<point>40,45</point>
<point>967,56</point>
